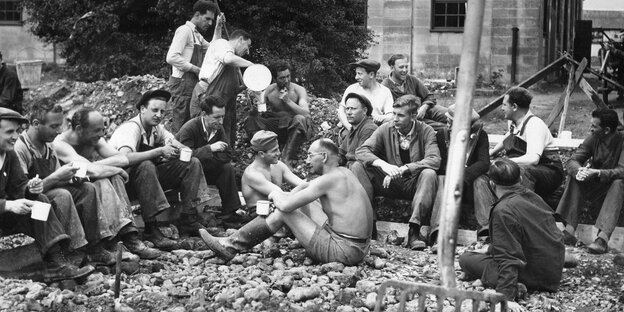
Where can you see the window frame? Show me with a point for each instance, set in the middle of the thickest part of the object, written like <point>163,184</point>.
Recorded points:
<point>446,28</point>
<point>19,22</point>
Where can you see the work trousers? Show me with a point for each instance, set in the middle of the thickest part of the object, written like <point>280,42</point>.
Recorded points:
<point>223,177</point>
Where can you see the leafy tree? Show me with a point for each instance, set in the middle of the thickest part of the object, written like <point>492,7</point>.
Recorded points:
<point>102,39</point>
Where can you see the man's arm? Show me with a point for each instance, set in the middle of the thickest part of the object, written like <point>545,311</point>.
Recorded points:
<point>580,156</point>
<point>535,142</point>
<point>506,250</point>
<point>232,59</point>
<point>367,153</point>
<point>606,175</point>
<point>288,175</point>
<point>174,55</point>
<point>259,183</point>
<point>288,202</point>
<point>422,92</point>
<point>482,164</point>
<point>301,107</point>
<point>432,152</point>
<point>67,154</point>
<point>342,115</point>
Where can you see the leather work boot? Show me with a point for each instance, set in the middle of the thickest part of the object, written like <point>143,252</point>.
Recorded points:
<point>159,240</point>
<point>98,254</point>
<point>413,238</point>
<point>137,247</point>
<point>291,147</point>
<point>569,239</point>
<point>599,246</point>
<point>251,234</point>
<point>190,224</point>
<point>58,268</point>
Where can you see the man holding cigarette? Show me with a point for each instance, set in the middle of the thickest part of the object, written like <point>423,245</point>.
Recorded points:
<point>338,231</point>
<point>50,235</point>
<point>155,166</point>
<point>204,134</point>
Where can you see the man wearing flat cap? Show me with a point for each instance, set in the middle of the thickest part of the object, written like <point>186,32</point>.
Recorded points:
<point>367,85</point>
<point>157,167</point>
<point>16,204</point>
<point>358,110</point>
<point>266,173</point>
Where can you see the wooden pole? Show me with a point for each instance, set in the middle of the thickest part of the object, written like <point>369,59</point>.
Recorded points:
<point>449,217</point>
<point>559,106</point>
<point>566,102</point>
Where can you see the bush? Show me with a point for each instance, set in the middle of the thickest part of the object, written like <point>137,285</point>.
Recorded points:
<point>111,38</point>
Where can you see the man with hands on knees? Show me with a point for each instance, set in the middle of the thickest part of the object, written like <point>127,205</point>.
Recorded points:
<point>50,235</point>
<point>338,231</point>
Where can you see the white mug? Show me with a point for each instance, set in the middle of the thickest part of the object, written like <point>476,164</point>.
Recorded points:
<point>185,154</point>
<point>263,207</point>
<point>82,170</point>
<point>566,135</point>
<point>40,211</point>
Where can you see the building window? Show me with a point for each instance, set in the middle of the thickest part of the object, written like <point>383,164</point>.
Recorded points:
<point>448,15</point>
<point>10,12</point>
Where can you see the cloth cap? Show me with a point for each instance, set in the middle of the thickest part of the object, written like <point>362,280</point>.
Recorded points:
<point>263,141</point>
<point>10,114</point>
<point>367,64</point>
<point>451,113</point>
<point>152,94</point>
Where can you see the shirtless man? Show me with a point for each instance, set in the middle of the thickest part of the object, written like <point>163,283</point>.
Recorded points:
<point>266,173</point>
<point>345,235</point>
<point>288,116</point>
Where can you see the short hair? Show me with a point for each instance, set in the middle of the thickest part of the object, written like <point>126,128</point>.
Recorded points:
<point>328,146</point>
<point>280,67</point>
<point>408,100</point>
<point>207,102</point>
<point>203,6</point>
<point>395,57</point>
<point>520,96</point>
<point>363,101</point>
<point>504,172</point>
<point>81,117</point>
<point>607,117</point>
<point>40,109</point>
<point>240,33</point>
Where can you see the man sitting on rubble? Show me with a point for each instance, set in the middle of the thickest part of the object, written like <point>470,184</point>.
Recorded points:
<point>51,238</point>
<point>84,144</point>
<point>64,189</point>
<point>400,160</point>
<point>338,231</point>
<point>596,173</point>
<point>527,247</point>
<point>289,114</point>
<point>205,135</point>
<point>528,143</point>
<point>154,166</point>
<point>358,110</point>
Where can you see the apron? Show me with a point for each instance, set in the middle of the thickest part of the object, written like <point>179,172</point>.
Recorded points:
<point>182,88</point>
<point>515,146</point>
<point>41,166</point>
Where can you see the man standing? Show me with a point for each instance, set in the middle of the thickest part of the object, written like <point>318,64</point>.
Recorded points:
<point>266,173</point>
<point>185,56</point>
<point>527,247</point>
<point>399,160</point>
<point>204,134</point>
<point>289,114</point>
<point>338,232</point>
<point>155,167</point>
<point>367,85</point>
<point>528,143</point>
<point>358,110</point>
<point>11,94</point>
<point>50,235</point>
<point>401,83</point>
<point>602,179</point>
<point>220,75</point>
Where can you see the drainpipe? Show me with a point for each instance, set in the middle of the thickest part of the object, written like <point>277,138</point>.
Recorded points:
<point>411,40</point>
<point>514,53</point>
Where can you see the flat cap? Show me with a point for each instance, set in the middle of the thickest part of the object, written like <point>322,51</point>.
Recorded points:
<point>10,114</point>
<point>263,141</point>
<point>451,113</point>
<point>152,94</point>
<point>367,64</point>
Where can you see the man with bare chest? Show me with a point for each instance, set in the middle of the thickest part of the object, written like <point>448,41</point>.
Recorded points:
<point>288,114</point>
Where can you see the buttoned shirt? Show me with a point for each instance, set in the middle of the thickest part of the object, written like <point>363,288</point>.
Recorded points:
<point>411,85</point>
<point>131,134</point>
<point>181,48</point>
<point>380,98</point>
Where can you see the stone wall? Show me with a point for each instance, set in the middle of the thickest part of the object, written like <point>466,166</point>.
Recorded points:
<point>18,44</point>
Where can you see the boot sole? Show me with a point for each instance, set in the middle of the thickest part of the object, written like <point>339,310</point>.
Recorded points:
<point>215,246</point>
<point>87,270</point>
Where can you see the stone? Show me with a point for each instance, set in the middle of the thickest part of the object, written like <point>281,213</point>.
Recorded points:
<point>371,301</point>
<point>284,284</point>
<point>365,286</point>
<point>332,267</point>
<point>379,263</point>
<point>257,293</point>
<point>344,308</point>
<point>229,294</point>
<point>299,294</point>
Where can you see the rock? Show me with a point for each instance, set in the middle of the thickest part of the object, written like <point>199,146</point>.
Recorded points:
<point>371,301</point>
<point>122,307</point>
<point>332,267</point>
<point>379,252</point>
<point>284,284</point>
<point>229,294</point>
<point>619,259</point>
<point>177,309</point>
<point>298,294</point>
<point>595,279</point>
<point>35,291</point>
<point>365,287</point>
<point>344,308</point>
<point>257,293</point>
<point>379,263</point>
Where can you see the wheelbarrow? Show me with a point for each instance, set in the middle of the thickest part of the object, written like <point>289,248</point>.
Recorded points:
<point>449,217</point>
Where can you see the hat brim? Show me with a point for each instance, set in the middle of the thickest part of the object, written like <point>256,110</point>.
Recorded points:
<point>153,94</point>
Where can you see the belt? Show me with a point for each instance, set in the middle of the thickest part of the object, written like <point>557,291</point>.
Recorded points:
<point>347,237</point>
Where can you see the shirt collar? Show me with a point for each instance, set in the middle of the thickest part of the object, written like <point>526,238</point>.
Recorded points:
<point>409,134</point>
<point>31,146</point>
<point>361,123</point>
<point>153,135</point>
<point>517,126</point>
<point>193,27</point>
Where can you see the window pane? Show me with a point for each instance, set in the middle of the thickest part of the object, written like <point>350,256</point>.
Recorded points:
<point>451,8</point>
<point>449,14</point>
<point>461,21</point>
<point>440,8</point>
<point>452,21</point>
<point>439,21</point>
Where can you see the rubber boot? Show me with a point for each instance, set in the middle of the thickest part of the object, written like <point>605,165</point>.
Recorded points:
<point>251,234</point>
<point>291,148</point>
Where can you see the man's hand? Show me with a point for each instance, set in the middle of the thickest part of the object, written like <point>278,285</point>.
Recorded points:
<point>66,172</point>
<point>35,185</point>
<point>218,146</point>
<point>422,110</point>
<point>391,170</point>
<point>379,118</point>
<point>283,94</point>
<point>169,151</point>
<point>124,175</point>
<point>19,206</point>
<point>586,173</point>
<point>220,20</point>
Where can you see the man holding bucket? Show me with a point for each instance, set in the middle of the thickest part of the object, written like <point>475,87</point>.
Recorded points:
<point>185,56</point>
<point>220,75</point>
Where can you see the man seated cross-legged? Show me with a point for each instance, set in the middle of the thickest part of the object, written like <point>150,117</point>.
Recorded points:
<point>338,231</point>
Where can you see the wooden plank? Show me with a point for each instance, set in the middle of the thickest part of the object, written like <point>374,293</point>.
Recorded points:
<point>525,84</point>
<point>557,142</point>
<point>566,101</point>
<point>597,73</point>
<point>560,104</point>
<point>592,94</point>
